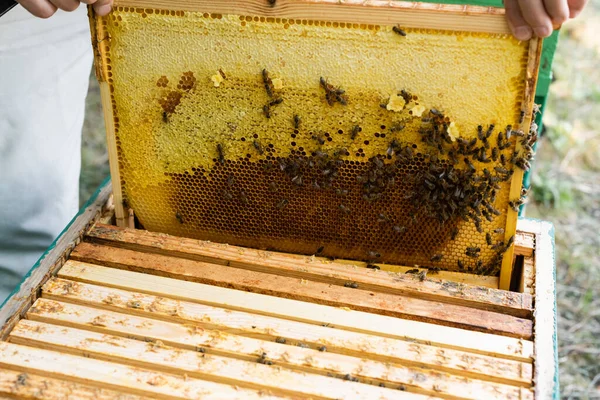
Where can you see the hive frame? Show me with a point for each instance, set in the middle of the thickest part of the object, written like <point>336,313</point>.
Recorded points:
<point>408,14</point>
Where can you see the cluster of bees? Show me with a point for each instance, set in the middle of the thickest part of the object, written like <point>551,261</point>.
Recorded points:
<point>450,188</point>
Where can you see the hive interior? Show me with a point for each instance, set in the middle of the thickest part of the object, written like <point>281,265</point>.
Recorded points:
<point>206,151</point>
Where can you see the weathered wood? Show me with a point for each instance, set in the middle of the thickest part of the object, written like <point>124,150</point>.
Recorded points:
<point>404,352</point>
<point>111,139</point>
<point>51,260</point>
<point>546,366</point>
<point>345,318</point>
<point>116,376</point>
<point>221,343</point>
<point>23,385</point>
<point>524,243</point>
<point>528,277</point>
<point>311,268</point>
<point>533,63</point>
<point>407,14</point>
<point>250,374</point>
<point>310,291</point>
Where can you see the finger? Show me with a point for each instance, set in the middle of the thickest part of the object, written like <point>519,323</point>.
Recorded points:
<point>535,14</point>
<point>39,8</point>
<point>516,22</point>
<point>575,7</point>
<point>558,10</point>
<point>102,7</point>
<point>66,5</point>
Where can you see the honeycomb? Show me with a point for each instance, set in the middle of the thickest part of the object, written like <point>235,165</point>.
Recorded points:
<point>344,140</point>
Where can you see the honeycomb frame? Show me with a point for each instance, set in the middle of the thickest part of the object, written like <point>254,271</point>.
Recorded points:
<point>275,169</point>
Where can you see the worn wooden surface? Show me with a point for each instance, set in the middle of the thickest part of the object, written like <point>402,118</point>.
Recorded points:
<point>50,261</point>
<point>299,311</point>
<point>316,269</point>
<point>524,243</point>
<point>117,376</point>
<point>405,352</point>
<point>23,385</point>
<point>357,298</point>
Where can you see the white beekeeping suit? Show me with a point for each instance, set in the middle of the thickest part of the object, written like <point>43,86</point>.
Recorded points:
<point>44,72</point>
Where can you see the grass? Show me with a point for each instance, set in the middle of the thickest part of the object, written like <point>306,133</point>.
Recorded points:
<point>566,191</point>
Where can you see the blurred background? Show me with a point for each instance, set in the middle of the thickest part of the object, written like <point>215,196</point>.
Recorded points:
<point>566,191</point>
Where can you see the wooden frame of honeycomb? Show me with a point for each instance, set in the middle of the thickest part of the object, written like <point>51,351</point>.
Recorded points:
<point>236,181</point>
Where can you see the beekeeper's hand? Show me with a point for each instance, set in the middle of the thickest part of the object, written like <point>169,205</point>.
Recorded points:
<point>527,18</point>
<point>47,8</point>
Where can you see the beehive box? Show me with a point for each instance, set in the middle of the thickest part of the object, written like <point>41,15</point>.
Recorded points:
<point>382,132</point>
<point>364,249</point>
<point>118,313</point>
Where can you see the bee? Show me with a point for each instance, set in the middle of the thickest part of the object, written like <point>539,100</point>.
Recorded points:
<point>282,203</point>
<point>275,102</point>
<point>483,156</point>
<point>412,271</point>
<point>267,111</point>
<point>397,127</point>
<point>480,134</point>
<point>165,117</point>
<point>222,73</point>
<point>399,30</point>
<point>354,132</point>
<point>351,378</point>
<point>469,164</point>
<point>344,209</point>
<point>522,117</point>
<point>498,245</point>
<point>179,217</point>
<point>436,112</point>
<point>479,265</point>
<point>495,152</point>
<point>297,121</point>
<point>373,266</point>
<point>382,218</point>
<point>220,153</point>
<point>263,360</point>
<point>399,229</point>
<point>280,340</point>
<point>268,82</point>
<point>243,197</point>
<point>227,195</point>
<point>453,233</point>
<point>21,379</point>
<point>510,241</point>
<point>341,192</point>
<point>318,139</point>
<point>460,264</point>
<point>373,254</point>
<point>436,258</point>
<point>319,250</point>
<point>514,205</point>
<point>258,147</point>
<point>489,131</point>
<point>322,348</point>
<point>273,187</point>
<point>499,231</point>
<point>488,238</point>
<point>352,285</point>
<point>272,2</point>
<point>422,275</point>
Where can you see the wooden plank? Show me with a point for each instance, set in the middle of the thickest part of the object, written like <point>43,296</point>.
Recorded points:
<point>139,381</point>
<point>546,360</point>
<point>312,268</point>
<point>407,14</point>
<point>524,243</point>
<point>51,260</point>
<point>358,321</point>
<point>157,356</point>
<point>404,352</point>
<point>533,63</point>
<point>23,385</point>
<point>528,278</point>
<point>193,337</point>
<point>310,291</point>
